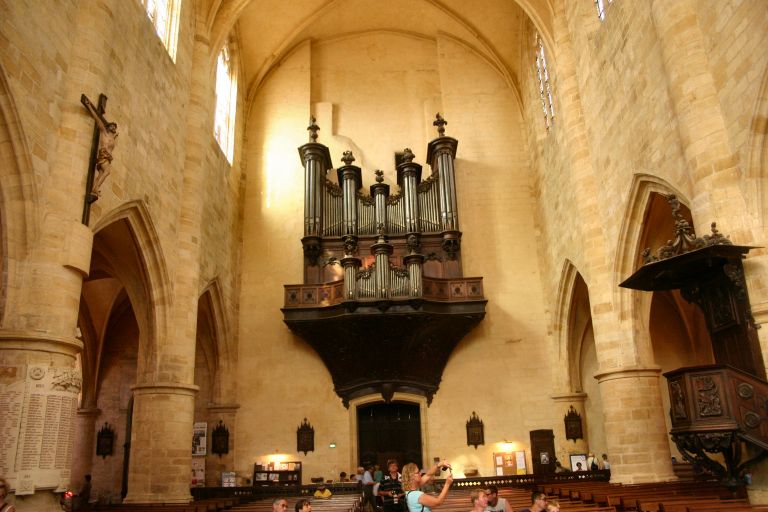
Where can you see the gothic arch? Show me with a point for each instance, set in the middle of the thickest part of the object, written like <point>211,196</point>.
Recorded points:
<point>757,164</point>
<point>633,306</point>
<point>18,195</point>
<point>142,270</point>
<point>217,341</point>
<point>568,342</point>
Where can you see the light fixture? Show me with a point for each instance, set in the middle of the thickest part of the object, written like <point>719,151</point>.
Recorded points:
<point>332,445</point>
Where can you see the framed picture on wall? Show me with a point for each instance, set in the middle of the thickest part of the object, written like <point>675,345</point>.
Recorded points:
<point>579,462</point>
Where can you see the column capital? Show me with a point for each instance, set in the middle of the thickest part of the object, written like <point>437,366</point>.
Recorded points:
<point>165,388</point>
<point>40,342</point>
<point>629,372</point>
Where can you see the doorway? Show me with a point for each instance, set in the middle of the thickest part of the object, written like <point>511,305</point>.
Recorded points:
<point>389,431</point>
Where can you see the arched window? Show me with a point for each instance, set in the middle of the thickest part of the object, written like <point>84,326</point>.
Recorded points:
<point>164,15</point>
<point>601,5</point>
<point>226,103</point>
<point>545,89</point>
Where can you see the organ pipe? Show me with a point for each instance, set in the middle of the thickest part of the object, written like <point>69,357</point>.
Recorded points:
<point>408,176</point>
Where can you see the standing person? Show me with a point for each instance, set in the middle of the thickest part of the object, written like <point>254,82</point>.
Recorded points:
<point>495,503</point>
<point>607,465</point>
<point>592,462</point>
<point>417,500</point>
<point>368,484</point>
<point>81,501</point>
<point>4,505</point>
<point>538,502</point>
<point>479,499</point>
<point>391,489</point>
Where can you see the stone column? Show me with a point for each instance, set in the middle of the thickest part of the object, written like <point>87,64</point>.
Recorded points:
<point>164,397</point>
<point>161,439</point>
<point>636,440</point>
<point>714,166</point>
<point>635,432</point>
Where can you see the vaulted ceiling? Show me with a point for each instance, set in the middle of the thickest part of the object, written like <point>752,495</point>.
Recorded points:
<point>267,30</point>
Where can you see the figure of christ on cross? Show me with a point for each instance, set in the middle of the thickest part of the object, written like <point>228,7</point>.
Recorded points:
<point>107,141</point>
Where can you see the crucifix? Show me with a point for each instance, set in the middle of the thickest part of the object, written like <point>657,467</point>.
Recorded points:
<point>103,143</point>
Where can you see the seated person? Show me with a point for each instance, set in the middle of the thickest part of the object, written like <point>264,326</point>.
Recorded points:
<point>343,476</point>
<point>323,492</point>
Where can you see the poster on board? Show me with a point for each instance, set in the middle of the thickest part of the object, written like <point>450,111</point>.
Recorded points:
<point>199,438</point>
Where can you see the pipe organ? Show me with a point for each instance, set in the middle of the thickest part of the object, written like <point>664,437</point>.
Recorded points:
<point>382,262</point>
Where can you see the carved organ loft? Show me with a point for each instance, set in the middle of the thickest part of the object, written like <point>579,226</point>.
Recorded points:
<point>718,412</point>
<point>384,301</point>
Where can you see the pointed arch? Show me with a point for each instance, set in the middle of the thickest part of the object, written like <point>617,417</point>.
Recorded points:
<point>568,276</point>
<point>19,219</point>
<point>221,353</point>
<point>757,159</point>
<point>628,247</point>
<point>142,270</point>
<point>573,325</point>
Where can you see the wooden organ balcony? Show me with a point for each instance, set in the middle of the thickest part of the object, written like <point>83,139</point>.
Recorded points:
<point>384,300</point>
<point>722,408</point>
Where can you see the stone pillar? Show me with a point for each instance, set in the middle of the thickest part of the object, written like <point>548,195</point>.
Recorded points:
<point>635,430</point>
<point>38,407</point>
<point>161,443</point>
<point>164,398</point>
<point>635,439</point>
<point>713,165</point>
<point>40,385</point>
<point>564,446</point>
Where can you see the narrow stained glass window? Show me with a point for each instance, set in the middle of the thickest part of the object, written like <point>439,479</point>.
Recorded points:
<point>601,4</point>
<point>545,88</point>
<point>226,103</point>
<point>164,15</point>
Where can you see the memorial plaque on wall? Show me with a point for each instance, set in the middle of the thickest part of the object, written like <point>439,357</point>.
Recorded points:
<point>37,410</point>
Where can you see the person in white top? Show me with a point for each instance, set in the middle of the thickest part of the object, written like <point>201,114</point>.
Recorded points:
<point>495,503</point>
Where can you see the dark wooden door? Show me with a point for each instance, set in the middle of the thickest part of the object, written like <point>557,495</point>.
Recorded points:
<point>543,451</point>
<point>389,431</point>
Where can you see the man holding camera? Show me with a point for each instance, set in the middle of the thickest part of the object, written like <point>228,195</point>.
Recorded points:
<point>391,489</point>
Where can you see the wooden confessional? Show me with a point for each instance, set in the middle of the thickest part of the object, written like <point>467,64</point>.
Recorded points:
<point>721,408</point>
<point>384,300</point>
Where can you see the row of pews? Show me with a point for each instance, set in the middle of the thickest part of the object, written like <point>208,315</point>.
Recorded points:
<point>573,497</point>
<point>651,497</point>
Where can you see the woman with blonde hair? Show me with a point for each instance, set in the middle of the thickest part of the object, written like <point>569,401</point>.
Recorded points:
<point>4,505</point>
<point>413,480</point>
